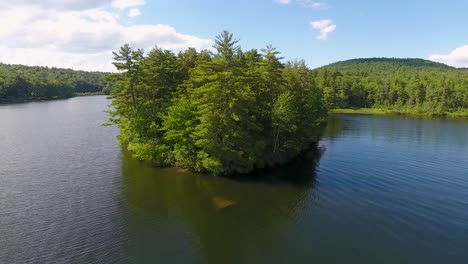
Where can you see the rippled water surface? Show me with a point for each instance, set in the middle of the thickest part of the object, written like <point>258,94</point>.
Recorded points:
<point>376,190</point>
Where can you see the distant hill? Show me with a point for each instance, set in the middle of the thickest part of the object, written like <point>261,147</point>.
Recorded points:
<point>387,64</point>
<point>23,83</point>
<point>402,85</point>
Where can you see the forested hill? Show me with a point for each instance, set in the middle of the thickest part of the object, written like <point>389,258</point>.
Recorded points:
<point>22,83</point>
<point>391,64</point>
<point>403,85</point>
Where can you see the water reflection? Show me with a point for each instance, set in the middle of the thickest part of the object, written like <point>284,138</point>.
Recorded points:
<point>300,172</point>
<point>335,126</point>
<point>67,195</point>
<point>176,214</point>
<point>431,131</point>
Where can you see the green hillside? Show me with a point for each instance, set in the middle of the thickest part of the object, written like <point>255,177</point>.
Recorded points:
<point>376,64</point>
<point>23,83</point>
<point>414,86</point>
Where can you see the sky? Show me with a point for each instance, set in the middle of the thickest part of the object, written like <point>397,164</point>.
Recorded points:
<point>81,34</point>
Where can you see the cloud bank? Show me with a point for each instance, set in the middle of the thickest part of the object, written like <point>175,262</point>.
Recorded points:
<point>80,34</point>
<point>134,12</point>
<point>457,58</point>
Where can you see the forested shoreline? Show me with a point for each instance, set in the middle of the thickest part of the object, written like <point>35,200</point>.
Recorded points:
<point>400,86</point>
<point>227,112</point>
<point>230,111</point>
<point>366,86</point>
<point>19,83</point>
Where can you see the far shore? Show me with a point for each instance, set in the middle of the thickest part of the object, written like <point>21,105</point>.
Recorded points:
<point>29,100</point>
<point>382,111</point>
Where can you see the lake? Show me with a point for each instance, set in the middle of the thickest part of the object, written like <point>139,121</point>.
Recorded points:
<point>375,190</point>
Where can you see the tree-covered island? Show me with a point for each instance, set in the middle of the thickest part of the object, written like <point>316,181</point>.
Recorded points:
<point>232,111</point>
<point>227,112</point>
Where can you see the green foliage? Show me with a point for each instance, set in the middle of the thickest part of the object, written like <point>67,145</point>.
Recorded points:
<point>284,121</point>
<point>225,113</point>
<point>23,83</point>
<point>401,85</point>
<point>179,126</point>
<point>379,64</point>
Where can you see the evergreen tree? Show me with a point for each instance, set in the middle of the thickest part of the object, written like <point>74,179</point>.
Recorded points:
<point>224,113</point>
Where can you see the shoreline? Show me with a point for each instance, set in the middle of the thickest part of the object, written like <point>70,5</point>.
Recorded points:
<point>22,101</point>
<point>383,111</point>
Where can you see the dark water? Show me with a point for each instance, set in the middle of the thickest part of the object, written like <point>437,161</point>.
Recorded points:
<point>377,190</point>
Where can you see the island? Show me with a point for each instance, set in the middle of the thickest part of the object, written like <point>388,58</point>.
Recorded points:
<point>224,113</point>
<point>229,112</point>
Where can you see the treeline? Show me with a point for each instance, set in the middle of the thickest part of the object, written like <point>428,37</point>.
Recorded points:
<point>225,113</point>
<point>402,85</point>
<point>23,83</point>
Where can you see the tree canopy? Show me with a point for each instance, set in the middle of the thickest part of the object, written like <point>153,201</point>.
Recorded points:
<point>225,113</point>
<point>406,85</point>
<point>22,83</point>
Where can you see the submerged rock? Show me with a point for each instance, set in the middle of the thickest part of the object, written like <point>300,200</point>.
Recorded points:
<point>222,203</point>
<point>181,170</point>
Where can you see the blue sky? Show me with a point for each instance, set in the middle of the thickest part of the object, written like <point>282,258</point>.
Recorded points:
<point>363,28</point>
<point>84,32</point>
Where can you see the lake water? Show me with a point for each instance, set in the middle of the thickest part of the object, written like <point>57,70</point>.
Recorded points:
<point>376,190</point>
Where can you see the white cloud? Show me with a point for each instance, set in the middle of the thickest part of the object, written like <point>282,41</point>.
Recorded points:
<point>134,12</point>
<point>124,4</point>
<point>457,58</point>
<point>306,3</point>
<point>317,5</point>
<point>312,4</point>
<point>325,27</point>
<point>98,15</point>
<point>73,37</point>
<point>283,2</point>
<point>56,58</point>
<point>57,4</point>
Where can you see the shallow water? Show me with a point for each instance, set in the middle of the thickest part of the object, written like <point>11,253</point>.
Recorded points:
<point>376,190</point>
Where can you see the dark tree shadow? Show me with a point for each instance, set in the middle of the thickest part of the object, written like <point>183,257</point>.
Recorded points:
<point>300,171</point>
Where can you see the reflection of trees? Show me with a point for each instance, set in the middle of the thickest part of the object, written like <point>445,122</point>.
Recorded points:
<point>422,130</point>
<point>334,127</point>
<point>174,214</point>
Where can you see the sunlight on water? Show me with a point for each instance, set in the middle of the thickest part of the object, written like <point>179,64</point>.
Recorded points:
<point>375,190</point>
